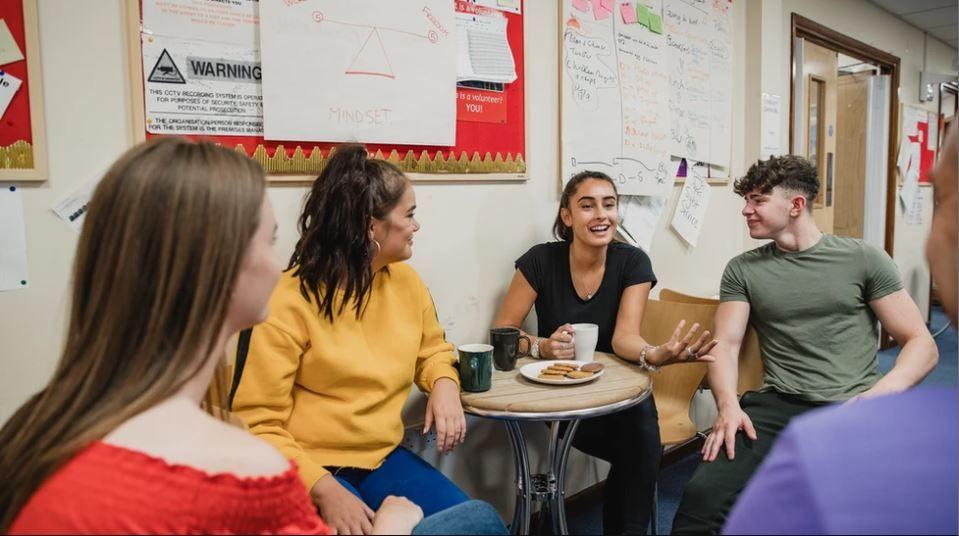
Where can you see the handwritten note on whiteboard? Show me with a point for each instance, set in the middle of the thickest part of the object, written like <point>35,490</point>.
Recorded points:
<point>693,201</point>
<point>698,53</point>
<point>363,70</point>
<point>614,94</point>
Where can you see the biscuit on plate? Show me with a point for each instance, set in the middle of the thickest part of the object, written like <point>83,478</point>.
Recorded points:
<point>578,374</point>
<point>547,376</point>
<point>592,367</point>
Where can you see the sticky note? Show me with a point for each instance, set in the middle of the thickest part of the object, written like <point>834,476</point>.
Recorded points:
<point>628,12</point>
<point>582,5</point>
<point>9,85</point>
<point>9,51</point>
<point>655,23</point>
<point>599,12</point>
<point>642,14</point>
<point>608,5</point>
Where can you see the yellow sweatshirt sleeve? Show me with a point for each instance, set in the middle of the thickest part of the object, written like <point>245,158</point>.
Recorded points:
<point>435,359</point>
<point>264,398</point>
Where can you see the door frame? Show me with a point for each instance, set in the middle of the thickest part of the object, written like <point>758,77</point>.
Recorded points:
<point>824,36</point>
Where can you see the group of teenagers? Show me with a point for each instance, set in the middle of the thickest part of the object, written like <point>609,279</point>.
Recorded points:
<point>176,257</point>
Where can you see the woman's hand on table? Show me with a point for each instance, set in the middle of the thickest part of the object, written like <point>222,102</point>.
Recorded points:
<point>559,345</point>
<point>341,509</point>
<point>684,348</point>
<point>445,411</point>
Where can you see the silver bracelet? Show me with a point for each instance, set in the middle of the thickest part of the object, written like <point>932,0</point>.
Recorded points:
<point>642,358</point>
<point>534,347</point>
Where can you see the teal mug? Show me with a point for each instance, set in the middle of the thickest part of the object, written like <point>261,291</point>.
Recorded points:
<point>476,367</point>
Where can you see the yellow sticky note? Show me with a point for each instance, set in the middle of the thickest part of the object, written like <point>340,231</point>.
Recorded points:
<point>642,14</point>
<point>655,23</point>
<point>9,51</point>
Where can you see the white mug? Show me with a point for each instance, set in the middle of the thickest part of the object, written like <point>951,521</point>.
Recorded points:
<point>584,341</point>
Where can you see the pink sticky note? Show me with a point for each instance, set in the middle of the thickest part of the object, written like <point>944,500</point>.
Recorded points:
<point>582,5</point>
<point>608,5</point>
<point>628,12</point>
<point>599,11</point>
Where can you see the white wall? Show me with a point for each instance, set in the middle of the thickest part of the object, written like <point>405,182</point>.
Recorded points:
<point>471,233</point>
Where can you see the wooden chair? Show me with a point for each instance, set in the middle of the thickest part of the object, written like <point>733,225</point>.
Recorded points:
<point>750,359</point>
<point>675,385</point>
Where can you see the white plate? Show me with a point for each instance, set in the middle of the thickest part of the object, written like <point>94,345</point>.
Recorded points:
<point>532,370</point>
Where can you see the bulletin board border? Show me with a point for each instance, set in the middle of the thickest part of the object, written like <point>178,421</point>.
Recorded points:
<point>305,164</point>
<point>30,157</point>
<point>712,181</point>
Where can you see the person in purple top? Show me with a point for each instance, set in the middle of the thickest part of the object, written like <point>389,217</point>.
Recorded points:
<point>882,466</point>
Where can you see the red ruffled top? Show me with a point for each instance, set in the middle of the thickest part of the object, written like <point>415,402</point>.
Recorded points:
<point>110,489</point>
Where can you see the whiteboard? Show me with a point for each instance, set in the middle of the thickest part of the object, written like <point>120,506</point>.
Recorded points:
<point>632,98</point>
<point>614,101</point>
<point>371,71</point>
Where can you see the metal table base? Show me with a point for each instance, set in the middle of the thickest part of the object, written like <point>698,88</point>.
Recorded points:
<point>549,488</point>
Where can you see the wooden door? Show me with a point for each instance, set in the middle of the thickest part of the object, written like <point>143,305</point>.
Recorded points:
<point>820,80</point>
<point>850,173</point>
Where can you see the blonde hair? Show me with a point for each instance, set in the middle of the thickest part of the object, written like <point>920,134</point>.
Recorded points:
<point>159,254</point>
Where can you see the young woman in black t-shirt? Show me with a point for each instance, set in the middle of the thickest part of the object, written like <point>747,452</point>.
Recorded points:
<point>587,277</point>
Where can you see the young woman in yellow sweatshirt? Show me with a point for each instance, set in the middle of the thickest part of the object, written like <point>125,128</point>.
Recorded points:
<point>351,328</point>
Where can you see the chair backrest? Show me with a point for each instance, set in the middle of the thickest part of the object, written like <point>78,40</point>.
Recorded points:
<point>675,385</point>
<point>750,358</point>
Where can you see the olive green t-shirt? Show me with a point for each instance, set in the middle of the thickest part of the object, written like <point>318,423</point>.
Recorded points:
<point>817,334</point>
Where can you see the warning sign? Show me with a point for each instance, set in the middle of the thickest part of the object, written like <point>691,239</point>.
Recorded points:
<point>202,88</point>
<point>165,71</point>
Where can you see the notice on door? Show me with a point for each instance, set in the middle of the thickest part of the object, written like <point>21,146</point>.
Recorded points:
<point>201,88</point>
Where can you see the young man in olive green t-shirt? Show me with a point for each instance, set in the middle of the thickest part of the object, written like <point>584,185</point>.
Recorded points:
<point>814,300</point>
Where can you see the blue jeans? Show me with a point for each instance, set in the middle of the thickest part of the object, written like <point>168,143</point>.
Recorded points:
<point>403,474</point>
<point>471,517</point>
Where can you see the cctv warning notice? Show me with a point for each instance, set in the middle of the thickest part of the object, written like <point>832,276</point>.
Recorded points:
<point>206,89</point>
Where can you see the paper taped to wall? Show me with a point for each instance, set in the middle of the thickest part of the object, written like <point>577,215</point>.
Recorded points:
<point>13,240</point>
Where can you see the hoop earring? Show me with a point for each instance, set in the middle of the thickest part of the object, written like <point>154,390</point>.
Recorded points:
<point>377,244</point>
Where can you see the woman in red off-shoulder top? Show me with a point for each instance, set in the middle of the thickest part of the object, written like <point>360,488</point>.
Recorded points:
<point>176,255</point>
<point>110,489</point>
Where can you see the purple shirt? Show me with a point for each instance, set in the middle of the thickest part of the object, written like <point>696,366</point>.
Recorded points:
<point>886,465</point>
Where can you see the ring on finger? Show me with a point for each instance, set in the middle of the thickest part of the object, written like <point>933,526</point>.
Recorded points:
<point>690,353</point>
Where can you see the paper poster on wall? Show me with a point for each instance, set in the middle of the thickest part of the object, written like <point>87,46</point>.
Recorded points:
<point>201,88</point>
<point>614,102</point>
<point>698,54</point>
<point>482,51</point>
<point>9,51</point>
<point>693,201</point>
<point>363,70</point>
<point>720,84</point>
<point>639,217</point>
<point>914,211</point>
<point>233,22</point>
<point>9,85</point>
<point>14,271</point>
<point>771,121</point>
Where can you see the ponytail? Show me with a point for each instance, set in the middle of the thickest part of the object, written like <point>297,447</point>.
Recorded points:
<point>335,250</point>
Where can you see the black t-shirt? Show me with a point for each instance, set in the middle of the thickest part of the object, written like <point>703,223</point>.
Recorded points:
<point>546,268</point>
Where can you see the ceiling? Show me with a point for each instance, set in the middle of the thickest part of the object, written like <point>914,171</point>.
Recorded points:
<point>938,18</point>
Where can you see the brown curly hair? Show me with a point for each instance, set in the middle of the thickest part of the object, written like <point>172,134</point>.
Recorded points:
<point>789,172</point>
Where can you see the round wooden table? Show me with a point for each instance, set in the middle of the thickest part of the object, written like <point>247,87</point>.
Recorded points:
<point>512,399</point>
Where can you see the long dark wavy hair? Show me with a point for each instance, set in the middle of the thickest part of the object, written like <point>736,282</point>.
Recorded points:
<point>335,250</point>
<point>560,230</point>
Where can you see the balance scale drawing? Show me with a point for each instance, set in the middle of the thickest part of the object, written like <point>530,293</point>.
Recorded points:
<point>372,59</point>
